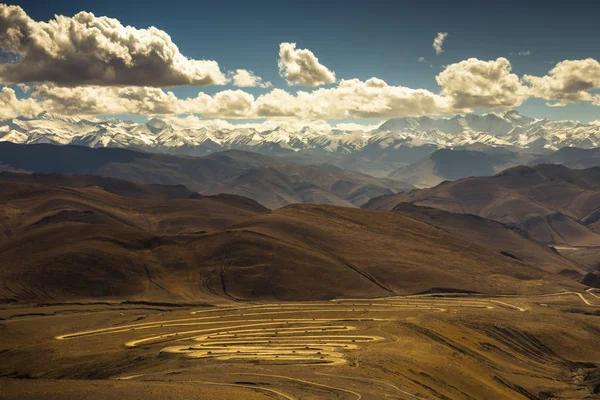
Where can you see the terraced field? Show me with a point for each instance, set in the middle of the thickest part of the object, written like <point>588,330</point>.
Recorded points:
<point>415,347</point>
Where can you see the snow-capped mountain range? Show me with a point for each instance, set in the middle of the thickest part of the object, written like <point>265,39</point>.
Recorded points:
<point>508,129</point>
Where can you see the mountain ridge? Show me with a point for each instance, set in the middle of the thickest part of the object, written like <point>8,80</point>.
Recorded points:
<point>509,129</point>
<point>553,203</point>
<point>271,181</point>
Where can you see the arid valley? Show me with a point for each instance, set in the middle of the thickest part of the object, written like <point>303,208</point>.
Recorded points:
<point>413,347</point>
<point>198,297</point>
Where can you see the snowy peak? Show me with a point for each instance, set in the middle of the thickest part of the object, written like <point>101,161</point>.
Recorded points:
<point>156,125</point>
<point>391,140</point>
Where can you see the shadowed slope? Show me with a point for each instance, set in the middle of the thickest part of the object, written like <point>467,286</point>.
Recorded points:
<point>392,252</point>
<point>80,243</point>
<point>113,185</point>
<point>551,202</point>
<point>510,242</point>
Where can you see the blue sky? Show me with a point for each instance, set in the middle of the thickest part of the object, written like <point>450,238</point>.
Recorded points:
<point>360,39</point>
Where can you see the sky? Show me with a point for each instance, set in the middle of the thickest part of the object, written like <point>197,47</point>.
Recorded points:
<point>341,61</point>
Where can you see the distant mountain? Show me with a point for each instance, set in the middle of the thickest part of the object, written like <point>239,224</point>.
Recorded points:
<point>508,129</point>
<point>554,204</point>
<point>572,157</point>
<point>401,140</point>
<point>447,164</point>
<point>270,181</point>
<point>79,243</point>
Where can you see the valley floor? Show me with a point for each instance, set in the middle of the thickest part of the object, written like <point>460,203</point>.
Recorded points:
<point>413,347</point>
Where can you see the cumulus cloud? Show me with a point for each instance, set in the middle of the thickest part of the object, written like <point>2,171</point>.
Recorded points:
<point>352,98</point>
<point>91,50</point>
<point>568,82</point>
<point>464,86</point>
<point>196,122</point>
<point>302,67</point>
<point>97,100</point>
<point>350,126</point>
<point>11,106</point>
<point>438,42</point>
<point>475,83</point>
<point>94,100</point>
<point>225,104</point>
<point>244,78</point>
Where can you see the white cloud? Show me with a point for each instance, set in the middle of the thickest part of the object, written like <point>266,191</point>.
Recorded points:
<point>438,42</point>
<point>91,50</point>
<point>195,122</point>
<point>568,82</point>
<point>11,106</point>
<point>97,100</point>
<point>465,86</point>
<point>95,65</point>
<point>350,126</point>
<point>352,98</point>
<point>244,78</point>
<point>301,67</point>
<point>225,104</point>
<point>94,100</point>
<point>475,83</point>
<point>424,61</point>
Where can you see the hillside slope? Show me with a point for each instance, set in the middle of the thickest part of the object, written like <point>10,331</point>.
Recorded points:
<point>511,242</point>
<point>554,204</point>
<point>67,243</point>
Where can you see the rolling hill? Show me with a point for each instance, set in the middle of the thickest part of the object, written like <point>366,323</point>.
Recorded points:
<point>268,180</point>
<point>509,241</point>
<point>74,242</point>
<point>554,204</point>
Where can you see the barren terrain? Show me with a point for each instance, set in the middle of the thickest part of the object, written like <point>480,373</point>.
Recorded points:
<point>112,289</point>
<point>411,347</point>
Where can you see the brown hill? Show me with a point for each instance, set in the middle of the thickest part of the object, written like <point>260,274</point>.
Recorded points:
<point>67,243</point>
<point>112,185</point>
<point>505,240</point>
<point>553,203</point>
<point>268,180</point>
